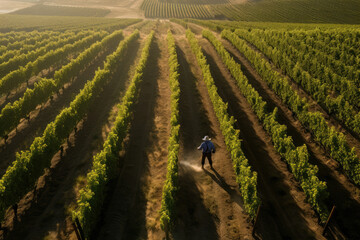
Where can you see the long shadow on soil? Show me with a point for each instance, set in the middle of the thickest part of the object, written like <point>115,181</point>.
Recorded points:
<point>271,185</point>
<point>124,211</point>
<point>219,180</point>
<point>76,160</point>
<point>19,92</point>
<point>193,219</point>
<point>136,224</point>
<point>24,138</point>
<point>348,210</point>
<point>193,117</point>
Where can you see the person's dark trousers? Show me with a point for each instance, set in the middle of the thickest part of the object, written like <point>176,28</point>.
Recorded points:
<point>208,156</point>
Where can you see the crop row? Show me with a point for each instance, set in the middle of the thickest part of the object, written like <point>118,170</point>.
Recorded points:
<point>156,9</point>
<point>207,24</point>
<point>245,177</point>
<point>168,201</point>
<point>23,59</point>
<point>318,64</point>
<point>342,45</point>
<point>29,44</point>
<point>105,163</point>
<point>296,157</point>
<point>23,74</point>
<point>314,86</point>
<point>7,39</point>
<point>12,113</point>
<point>328,137</point>
<point>29,165</point>
<point>329,57</point>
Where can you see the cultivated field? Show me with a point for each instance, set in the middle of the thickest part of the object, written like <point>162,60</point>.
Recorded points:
<point>100,121</point>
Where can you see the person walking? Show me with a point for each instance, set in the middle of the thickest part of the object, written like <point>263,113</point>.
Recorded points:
<point>207,148</point>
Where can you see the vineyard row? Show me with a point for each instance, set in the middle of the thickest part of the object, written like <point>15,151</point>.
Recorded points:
<point>296,157</point>
<point>29,165</point>
<point>105,163</point>
<point>245,177</point>
<point>12,113</point>
<point>328,137</point>
<point>168,202</point>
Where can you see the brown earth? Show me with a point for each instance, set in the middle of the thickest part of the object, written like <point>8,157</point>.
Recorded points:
<point>127,198</point>
<point>157,152</point>
<point>150,132</point>
<point>10,6</point>
<point>209,204</point>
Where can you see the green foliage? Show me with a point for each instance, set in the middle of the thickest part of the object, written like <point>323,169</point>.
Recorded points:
<point>179,21</point>
<point>25,43</point>
<point>316,78</point>
<point>332,140</point>
<point>41,59</point>
<point>23,59</point>
<point>12,113</point>
<point>29,165</point>
<point>159,9</point>
<point>245,177</point>
<point>104,163</point>
<point>296,157</point>
<point>168,201</point>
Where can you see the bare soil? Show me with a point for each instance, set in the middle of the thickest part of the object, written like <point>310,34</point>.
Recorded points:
<point>209,204</point>
<point>17,93</point>
<point>157,152</point>
<point>132,208</point>
<point>10,6</point>
<point>127,200</point>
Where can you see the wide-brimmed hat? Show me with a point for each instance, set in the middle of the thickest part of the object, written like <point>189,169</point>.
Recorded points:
<point>206,138</point>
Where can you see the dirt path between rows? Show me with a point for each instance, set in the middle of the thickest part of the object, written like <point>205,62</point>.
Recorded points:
<point>127,201</point>
<point>47,213</point>
<point>343,194</point>
<point>283,202</point>
<point>154,178</point>
<point>209,204</point>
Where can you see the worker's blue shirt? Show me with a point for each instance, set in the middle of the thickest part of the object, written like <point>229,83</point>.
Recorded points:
<point>207,147</point>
